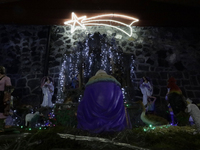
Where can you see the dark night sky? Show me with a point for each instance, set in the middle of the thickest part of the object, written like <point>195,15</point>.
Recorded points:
<point>55,12</point>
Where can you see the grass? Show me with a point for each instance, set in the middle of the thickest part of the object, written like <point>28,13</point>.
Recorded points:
<point>154,138</point>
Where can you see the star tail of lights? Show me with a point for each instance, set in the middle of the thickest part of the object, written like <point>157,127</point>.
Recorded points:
<point>110,20</point>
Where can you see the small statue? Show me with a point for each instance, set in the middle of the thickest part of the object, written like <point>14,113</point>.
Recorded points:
<point>48,91</point>
<point>194,112</point>
<point>29,117</point>
<point>146,88</point>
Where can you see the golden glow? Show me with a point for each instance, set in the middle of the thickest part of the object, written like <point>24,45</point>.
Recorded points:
<point>98,21</point>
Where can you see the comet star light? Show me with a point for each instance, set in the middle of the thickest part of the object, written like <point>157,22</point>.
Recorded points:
<point>102,20</point>
<point>75,20</point>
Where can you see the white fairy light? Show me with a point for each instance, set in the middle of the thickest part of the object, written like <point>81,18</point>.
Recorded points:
<point>105,59</point>
<point>83,21</point>
<point>75,20</point>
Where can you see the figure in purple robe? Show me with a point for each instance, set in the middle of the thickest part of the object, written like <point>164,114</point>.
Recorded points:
<point>102,107</point>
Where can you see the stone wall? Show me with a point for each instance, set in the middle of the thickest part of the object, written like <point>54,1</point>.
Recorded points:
<point>159,52</point>
<point>22,52</point>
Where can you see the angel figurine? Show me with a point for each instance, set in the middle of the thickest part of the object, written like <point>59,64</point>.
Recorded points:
<point>146,88</point>
<point>48,91</point>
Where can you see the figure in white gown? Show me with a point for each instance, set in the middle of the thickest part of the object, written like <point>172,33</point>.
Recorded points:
<point>48,91</point>
<point>194,112</point>
<point>146,89</point>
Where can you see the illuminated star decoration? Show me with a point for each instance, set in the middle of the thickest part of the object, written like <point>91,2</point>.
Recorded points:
<point>103,20</point>
<point>75,20</point>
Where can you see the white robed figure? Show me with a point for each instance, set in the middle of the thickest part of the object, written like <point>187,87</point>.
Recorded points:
<point>146,89</point>
<point>48,91</point>
<point>194,112</point>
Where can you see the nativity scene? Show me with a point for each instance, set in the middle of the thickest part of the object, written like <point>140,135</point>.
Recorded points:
<point>97,95</point>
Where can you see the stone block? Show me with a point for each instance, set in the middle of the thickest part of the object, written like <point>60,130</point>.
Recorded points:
<point>155,82</point>
<point>13,68</point>
<point>109,32</point>
<point>179,66</point>
<point>26,33</point>
<point>147,54</point>
<point>4,40</point>
<point>21,92</point>
<point>183,91</point>
<point>188,87</point>
<point>140,60</point>
<point>68,46</point>
<point>153,75</point>
<point>161,54</point>
<point>40,76</point>
<point>189,94</point>
<point>42,34</point>
<point>59,43</point>
<point>60,29</point>
<point>138,46</point>
<point>185,82</point>
<point>162,82</point>
<point>33,83</point>
<point>143,67</point>
<point>137,52</point>
<point>51,70</point>
<point>25,69</point>
<point>198,79</point>
<point>197,94</point>
<point>140,75</point>
<point>193,80</point>
<point>37,67</point>
<point>118,36</point>
<point>58,56</point>
<point>54,63</point>
<point>177,75</point>
<point>131,44</point>
<point>156,90</point>
<point>128,49</point>
<point>162,62</point>
<point>160,69</point>
<point>36,58</point>
<point>163,91</point>
<point>152,68</point>
<point>164,75</point>
<point>124,43</point>
<point>30,76</point>
<point>68,28</point>
<point>120,49</point>
<point>138,93</point>
<point>150,61</point>
<point>178,82</point>
<point>33,100</point>
<point>24,50</point>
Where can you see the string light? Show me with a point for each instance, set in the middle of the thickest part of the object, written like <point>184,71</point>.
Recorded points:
<point>86,57</point>
<point>151,127</point>
<point>75,20</point>
<point>84,21</point>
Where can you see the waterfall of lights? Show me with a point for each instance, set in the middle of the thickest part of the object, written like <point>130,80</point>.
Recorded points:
<point>61,82</point>
<point>105,64</point>
<point>91,59</point>
<point>132,72</point>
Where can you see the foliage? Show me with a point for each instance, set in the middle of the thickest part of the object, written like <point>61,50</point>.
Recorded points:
<point>182,118</point>
<point>154,138</point>
<point>66,117</point>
